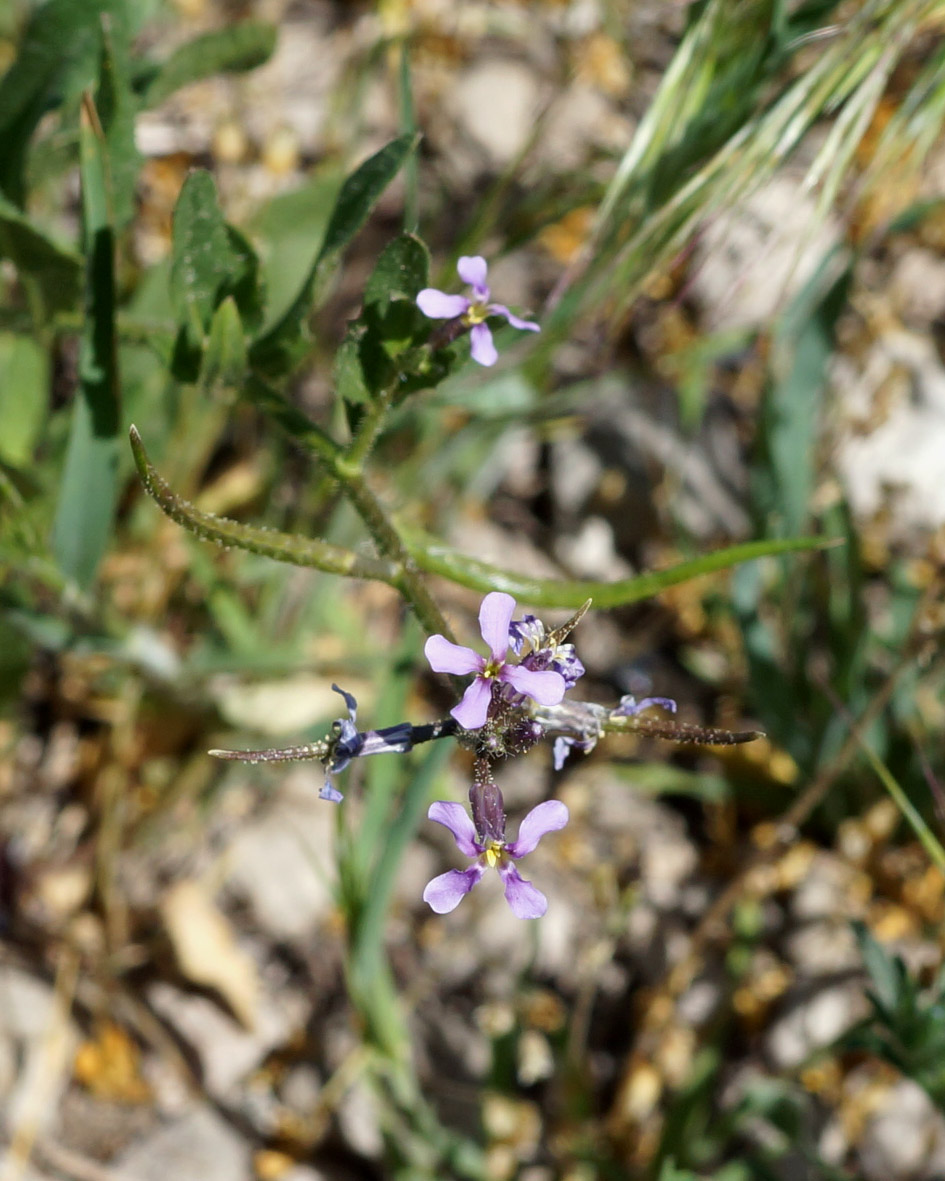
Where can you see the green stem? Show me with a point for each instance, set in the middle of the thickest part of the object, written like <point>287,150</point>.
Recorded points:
<point>409,582</point>
<point>349,475</point>
<point>369,427</point>
<point>284,547</point>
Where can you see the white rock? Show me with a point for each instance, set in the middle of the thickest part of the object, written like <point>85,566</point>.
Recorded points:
<point>898,464</point>
<point>811,1024</point>
<point>751,259</point>
<point>496,102</point>
<point>226,1050</point>
<point>280,860</point>
<point>201,1146</point>
<point>42,1041</point>
<point>906,1137</point>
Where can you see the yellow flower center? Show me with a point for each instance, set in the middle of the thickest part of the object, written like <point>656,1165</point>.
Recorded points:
<point>494,853</point>
<point>475,314</point>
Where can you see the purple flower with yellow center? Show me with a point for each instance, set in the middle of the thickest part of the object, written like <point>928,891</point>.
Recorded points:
<point>490,851</point>
<point>472,313</point>
<point>546,686</point>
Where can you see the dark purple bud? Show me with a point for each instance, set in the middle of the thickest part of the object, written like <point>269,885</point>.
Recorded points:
<point>488,811</point>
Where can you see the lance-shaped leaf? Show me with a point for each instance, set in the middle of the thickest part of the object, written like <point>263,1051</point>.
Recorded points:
<point>432,556</point>
<point>283,547</point>
<point>236,48</point>
<point>88,490</point>
<point>280,349</point>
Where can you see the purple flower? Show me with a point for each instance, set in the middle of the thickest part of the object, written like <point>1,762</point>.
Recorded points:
<point>537,649</point>
<point>348,743</point>
<point>629,707</point>
<point>444,893</point>
<point>471,312</point>
<point>546,686</point>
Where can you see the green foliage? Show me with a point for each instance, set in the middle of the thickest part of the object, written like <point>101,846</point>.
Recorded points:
<point>51,273</point>
<point>907,1025</point>
<point>282,346</point>
<point>238,47</point>
<point>88,491</point>
<point>24,396</point>
<point>59,57</point>
<point>212,263</point>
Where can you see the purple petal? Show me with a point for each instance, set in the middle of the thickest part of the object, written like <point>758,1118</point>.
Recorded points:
<point>495,615</point>
<point>447,657</point>
<point>472,711</point>
<point>481,347</point>
<point>560,751</point>
<point>547,817</point>
<point>349,702</point>
<point>330,792</point>
<point>457,820</point>
<point>447,891</point>
<point>440,306</point>
<point>629,707</point>
<point>499,309</point>
<point>473,269</point>
<point>546,687</point>
<point>526,900</point>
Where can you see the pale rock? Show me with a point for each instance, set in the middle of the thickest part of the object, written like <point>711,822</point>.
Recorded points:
<point>41,1040</point>
<point>905,1139</point>
<point>809,1025</point>
<point>359,1120</point>
<point>590,552</point>
<point>897,464</point>
<point>751,259</point>
<point>280,860</point>
<point>227,1051</point>
<point>826,889</point>
<point>917,285</point>
<point>496,102</point>
<point>824,945</point>
<point>580,120</point>
<point>200,1146</point>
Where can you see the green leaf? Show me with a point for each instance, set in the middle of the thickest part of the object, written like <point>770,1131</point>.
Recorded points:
<point>371,358</point>
<point>201,252</point>
<point>881,967</point>
<point>210,262</point>
<point>225,359</point>
<point>88,490</point>
<point>401,272</point>
<point>282,347</point>
<point>58,58</point>
<point>51,271</point>
<point>433,557</point>
<point>24,397</point>
<point>116,109</point>
<point>236,48</point>
<point>350,383</point>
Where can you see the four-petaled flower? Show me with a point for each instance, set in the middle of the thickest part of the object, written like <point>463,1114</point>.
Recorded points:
<point>546,686</point>
<point>444,893</point>
<point>438,305</point>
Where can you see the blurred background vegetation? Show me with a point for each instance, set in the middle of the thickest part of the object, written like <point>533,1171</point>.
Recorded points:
<point>728,218</point>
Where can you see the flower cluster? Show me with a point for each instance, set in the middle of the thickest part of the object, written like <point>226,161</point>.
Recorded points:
<point>516,697</point>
